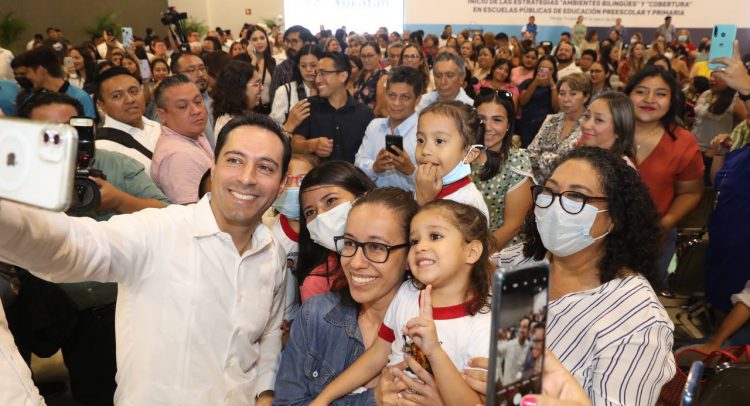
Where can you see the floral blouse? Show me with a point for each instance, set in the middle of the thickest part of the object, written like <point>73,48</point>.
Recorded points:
<point>516,169</point>
<point>366,90</point>
<point>547,146</point>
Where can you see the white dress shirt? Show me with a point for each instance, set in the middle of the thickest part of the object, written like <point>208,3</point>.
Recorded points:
<point>432,97</point>
<point>16,386</point>
<point>146,137</point>
<point>196,323</point>
<point>568,70</point>
<point>374,141</point>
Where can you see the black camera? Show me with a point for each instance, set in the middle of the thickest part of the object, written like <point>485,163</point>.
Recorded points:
<point>86,195</point>
<point>171,16</point>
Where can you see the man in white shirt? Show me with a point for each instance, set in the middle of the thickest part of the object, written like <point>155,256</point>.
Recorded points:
<point>16,386</point>
<point>565,54</point>
<point>667,29</point>
<point>403,90</point>
<point>201,287</point>
<point>120,96</point>
<point>449,73</point>
<point>514,353</point>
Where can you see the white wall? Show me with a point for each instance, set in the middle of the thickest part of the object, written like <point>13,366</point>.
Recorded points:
<point>229,13</point>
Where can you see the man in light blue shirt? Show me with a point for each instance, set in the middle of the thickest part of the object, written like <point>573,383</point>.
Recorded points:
<point>449,72</point>
<point>403,91</point>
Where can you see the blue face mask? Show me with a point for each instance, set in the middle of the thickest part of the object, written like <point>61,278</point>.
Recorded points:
<point>288,203</point>
<point>461,170</point>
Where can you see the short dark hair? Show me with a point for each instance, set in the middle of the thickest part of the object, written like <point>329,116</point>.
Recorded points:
<point>256,120</point>
<point>501,36</point>
<point>43,56</point>
<point>215,41</point>
<point>169,81</point>
<point>229,91</point>
<point>175,60</point>
<point>589,52</point>
<point>45,99</point>
<point>408,75</point>
<point>340,61</point>
<point>304,34</point>
<point>374,46</point>
<point>109,74</point>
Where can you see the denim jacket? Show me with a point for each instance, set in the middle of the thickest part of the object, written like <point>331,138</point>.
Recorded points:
<point>325,340</point>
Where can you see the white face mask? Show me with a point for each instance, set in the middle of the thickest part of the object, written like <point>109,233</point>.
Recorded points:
<point>562,233</point>
<point>328,225</point>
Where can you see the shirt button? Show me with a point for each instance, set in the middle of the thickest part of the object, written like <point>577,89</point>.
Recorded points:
<point>315,374</point>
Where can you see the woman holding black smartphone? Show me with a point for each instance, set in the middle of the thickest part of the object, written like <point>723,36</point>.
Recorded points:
<point>538,99</point>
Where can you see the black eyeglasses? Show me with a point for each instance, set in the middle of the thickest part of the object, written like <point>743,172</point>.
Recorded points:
<point>374,251</point>
<point>572,202</point>
<point>500,94</point>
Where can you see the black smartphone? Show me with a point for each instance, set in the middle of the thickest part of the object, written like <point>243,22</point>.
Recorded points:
<point>690,391</point>
<point>394,141</point>
<point>519,317</point>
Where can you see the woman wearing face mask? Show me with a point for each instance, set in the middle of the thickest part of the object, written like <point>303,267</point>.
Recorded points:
<point>286,228</point>
<point>290,105</point>
<point>609,123</point>
<point>667,155</point>
<point>502,173</point>
<point>334,329</point>
<point>597,225</point>
<point>326,196</point>
<point>560,132</point>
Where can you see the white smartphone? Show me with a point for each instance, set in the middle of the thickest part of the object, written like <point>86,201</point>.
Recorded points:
<point>145,68</point>
<point>38,162</point>
<point>519,317</point>
<point>127,37</point>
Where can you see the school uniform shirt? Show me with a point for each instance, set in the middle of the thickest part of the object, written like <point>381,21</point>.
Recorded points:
<point>197,322</point>
<point>466,192</point>
<point>289,241</point>
<point>432,97</point>
<point>16,386</point>
<point>374,141</point>
<point>146,137</point>
<point>616,340</point>
<point>461,335</point>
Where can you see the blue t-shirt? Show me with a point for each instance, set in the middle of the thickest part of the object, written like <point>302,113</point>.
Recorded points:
<point>8,92</point>
<point>84,98</point>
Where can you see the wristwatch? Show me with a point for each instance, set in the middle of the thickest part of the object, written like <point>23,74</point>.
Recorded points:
<point>743,97</point>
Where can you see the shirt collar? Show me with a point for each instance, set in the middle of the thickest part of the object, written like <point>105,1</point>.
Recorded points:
<point>204,225</point>
<point>345,317</point>
<point>110,122</point>
<point>404,128</point>
<point>168,131</point>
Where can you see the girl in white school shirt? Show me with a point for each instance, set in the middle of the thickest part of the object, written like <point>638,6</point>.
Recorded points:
<point>447,142</point>
<point>441,315</point>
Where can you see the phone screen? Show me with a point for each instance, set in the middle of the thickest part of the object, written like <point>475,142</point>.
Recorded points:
<point>127,37</point>
<point>544,72</point>
<point>519,317</point>
<point>394,140</point>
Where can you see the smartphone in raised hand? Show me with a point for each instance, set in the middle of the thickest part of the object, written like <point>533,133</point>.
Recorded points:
<point>722,43</point>
<point>127,37</point>
<point>519,317</point>
<point>37,163</point>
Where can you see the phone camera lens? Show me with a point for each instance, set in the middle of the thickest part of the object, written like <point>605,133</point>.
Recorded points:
<point>723,34</point>
<point>57,139</point>
<point>45,137</point>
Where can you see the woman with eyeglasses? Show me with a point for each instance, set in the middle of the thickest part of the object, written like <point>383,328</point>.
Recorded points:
<point>502,173</point>
<point>667,154</point>
<point>412,56</point>
<point>370,86</point>
<point>499,79</point>
<point>236,92</point>
<point>596,224</point>
<point>600,75</point>
<point>332,330</point>
<point>290,106</point>
<point>326,196</point>
<point>560,132</point>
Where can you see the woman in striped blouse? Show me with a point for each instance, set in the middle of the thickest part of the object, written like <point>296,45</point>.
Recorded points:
<point>596,223</point>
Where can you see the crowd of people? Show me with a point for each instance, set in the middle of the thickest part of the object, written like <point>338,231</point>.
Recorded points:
<point>290,218</point>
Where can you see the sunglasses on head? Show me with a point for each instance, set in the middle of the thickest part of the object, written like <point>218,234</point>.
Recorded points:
<point>500,94</point>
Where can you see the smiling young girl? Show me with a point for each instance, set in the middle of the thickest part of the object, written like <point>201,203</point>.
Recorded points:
<point>442,315</point>
<point>448,140</point>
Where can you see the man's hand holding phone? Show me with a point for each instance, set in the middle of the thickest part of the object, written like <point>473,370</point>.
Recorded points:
<point>321,146</point>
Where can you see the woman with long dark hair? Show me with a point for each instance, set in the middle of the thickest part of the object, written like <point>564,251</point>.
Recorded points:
<point>289,106</point>
<point>81,73</point>
<point>502,173</point>
<point>260,54</point>
<point>326,196</point>
<point>667,155</point>
<point>538,98</point>
<point>236,92</point>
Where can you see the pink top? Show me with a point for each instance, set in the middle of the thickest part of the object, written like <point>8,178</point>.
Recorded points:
<point>519,74</point>
<point>179,163</point>
<point>316,283</point>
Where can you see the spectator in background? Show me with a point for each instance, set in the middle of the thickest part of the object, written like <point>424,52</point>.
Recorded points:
<point>194,69</point>
<point>635,61</point>
<point>449,73</point>
<point>394,53</point>
<point>538,98</point>
<point>485,59</point>
<point>588,57</point>
<point>667,29</point>
<point>590,41</point>
<point>599,74</point>
<point>529,29</point>
<point>355,45</point>
<point>565,55</point>
<point>412,56</point>
<point>295,37</point>
<point>237,92</point>
<point>81,73</point>
<point>182,154</point>
<point>499,79</point>
<point>290,106</point>
<point>526,69</point>
<point>579,32</point>
<point>261,56</point>
<point>40,70</point>
<point>431,48</point>
<point>370,86</point>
